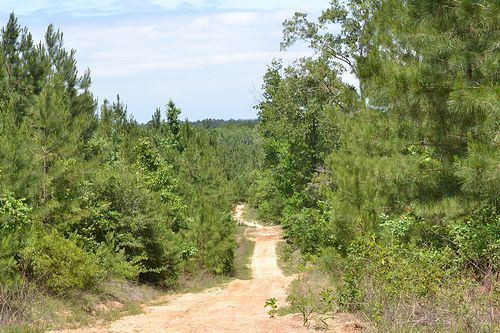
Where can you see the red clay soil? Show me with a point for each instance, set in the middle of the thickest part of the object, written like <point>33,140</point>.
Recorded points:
<point>238,307</point>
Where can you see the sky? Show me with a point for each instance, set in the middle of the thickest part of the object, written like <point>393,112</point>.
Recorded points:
<point>208,56</point>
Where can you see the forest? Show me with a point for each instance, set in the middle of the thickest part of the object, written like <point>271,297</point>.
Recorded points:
<point>391,187</point>
<point>387,189</point>
<point>90,195</point>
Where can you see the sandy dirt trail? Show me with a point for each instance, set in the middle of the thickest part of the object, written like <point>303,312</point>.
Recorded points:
<point>239,307</point>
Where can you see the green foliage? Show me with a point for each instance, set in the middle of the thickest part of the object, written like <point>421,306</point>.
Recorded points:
<point>14,214</point>
<point>312,299</point>
<point>58,263</point>
<point>106,197</point>
<point>115,261</point>
<point>8,263</point>
<point>214,241</point>
<point>15,223</point>
<point>475,239</point>
<point>393,184</point>
<point>160,178</point>
<point>266,197</point>
<point>307,229</point>
<point>479,172</point>
<point>272,304</point>
<point>173,119</point>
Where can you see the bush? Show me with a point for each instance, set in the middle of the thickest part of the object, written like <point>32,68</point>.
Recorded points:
<point>392,271</point>
<point>214,242</point>
<point>15,223</point>
<point>265,197</point>
<point>475,239</point>
<point>400,285</point>
<point>58,263</point>
<point>311,296</point>
<point>8,264</point>
<point>14,214</point>
<point>307,229</point>
<point>114,261</point>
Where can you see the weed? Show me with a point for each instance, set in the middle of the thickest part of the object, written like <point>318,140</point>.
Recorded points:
<point>289,259</point>
<point>243,255</point>
<point>272,303</point>
<point>16,304</point>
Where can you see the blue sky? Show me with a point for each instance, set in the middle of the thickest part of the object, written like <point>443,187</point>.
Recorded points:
<point>207,55</point>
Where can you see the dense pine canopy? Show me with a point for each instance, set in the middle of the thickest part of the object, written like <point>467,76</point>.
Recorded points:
<point>392,184</point>
<point>89,194</point>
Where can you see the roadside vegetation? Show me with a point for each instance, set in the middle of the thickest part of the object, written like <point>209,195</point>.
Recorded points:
<point>244,251</point>
<point>389,185</point>
<point>93,203</point>
<point>289,258</point>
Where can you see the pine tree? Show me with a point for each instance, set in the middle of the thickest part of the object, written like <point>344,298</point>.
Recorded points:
<point>173,123</point>
<point>156,119</point>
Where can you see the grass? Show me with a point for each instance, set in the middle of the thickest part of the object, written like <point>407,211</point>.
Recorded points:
<point>289,260</point>
<point>20,329</point>
<point>250,214</point>
<point>243,255</point>
<point>108,301</point>
<point>114,299</point>
<point>199,282</point>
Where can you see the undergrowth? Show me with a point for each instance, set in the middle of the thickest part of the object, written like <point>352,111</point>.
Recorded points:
<point>243,255</point>
<point>289,259</point>
<point>27,309</point>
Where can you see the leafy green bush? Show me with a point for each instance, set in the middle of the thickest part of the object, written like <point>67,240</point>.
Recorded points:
<point>114,260</point>
<point>215,243</point>
<point>126,226</point>
<point>307,229</point>
<point>265,197</point>
<point>14,213</point>
<point>15,223</point>
<point>475,238</point>
<point>311,295</point>
<point>58,263</point>
<point>8,263</point>
<point>396,269</point>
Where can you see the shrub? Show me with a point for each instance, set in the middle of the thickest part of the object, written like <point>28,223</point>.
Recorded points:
<point>265,197</point>
<point>58,263</point>
<point>114,260</point>
<point>14,213</point>
<point>475,239</point>
<point>311,295</point>
<point>15,224</point>
<point>307,229</point>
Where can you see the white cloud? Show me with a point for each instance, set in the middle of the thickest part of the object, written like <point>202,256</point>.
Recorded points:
<point>208,60</point>
<point>189,42</point>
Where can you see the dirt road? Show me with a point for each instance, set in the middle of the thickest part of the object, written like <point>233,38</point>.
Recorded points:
<point>239,307</point>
